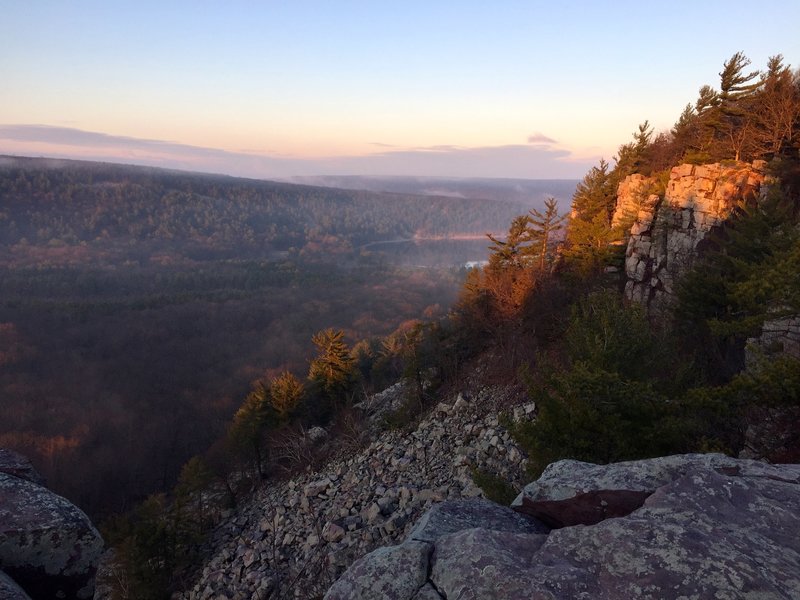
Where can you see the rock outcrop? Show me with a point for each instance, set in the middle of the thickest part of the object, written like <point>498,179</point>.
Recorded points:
<point>48,546</point>
<point>666,233</point>
<point>296,537</point>
<point>693,526</point>
<point>633,193</point>
<point>14,463</point>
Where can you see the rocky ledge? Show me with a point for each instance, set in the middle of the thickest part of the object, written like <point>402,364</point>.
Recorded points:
<point>691,526</point>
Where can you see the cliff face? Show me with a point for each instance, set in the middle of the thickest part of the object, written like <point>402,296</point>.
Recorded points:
<point>667,232</point>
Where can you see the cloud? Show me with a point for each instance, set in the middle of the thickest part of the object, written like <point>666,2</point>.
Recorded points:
<point>540,138</point>
<point>525,161</point>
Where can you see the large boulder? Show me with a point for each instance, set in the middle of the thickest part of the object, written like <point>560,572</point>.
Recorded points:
<point>391,572</point>
<point>693,526</point>
<point>401,572</point>
<point>47,544</point>
<point>14,463</point>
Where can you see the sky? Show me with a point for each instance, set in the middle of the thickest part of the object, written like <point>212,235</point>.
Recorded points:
<point>275,89</point>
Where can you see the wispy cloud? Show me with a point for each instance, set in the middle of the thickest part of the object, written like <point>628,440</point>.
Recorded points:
<point>540,138</point>
<point>537,159</point>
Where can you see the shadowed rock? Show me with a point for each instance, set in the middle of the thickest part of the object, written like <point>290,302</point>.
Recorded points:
<point>18,465</point>
<point>47,545</point>
<point>396,572</point>
<point>9,590</point>
<point>456,515</point>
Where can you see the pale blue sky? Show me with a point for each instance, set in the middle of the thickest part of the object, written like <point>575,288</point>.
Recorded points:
<point>523,89</point>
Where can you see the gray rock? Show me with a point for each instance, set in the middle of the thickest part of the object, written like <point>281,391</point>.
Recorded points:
<point>332,532</point>
<point>480,563</point>
<point>456,515</point>
<point>14,463</point>
<point>9,590</point>
<point>709,526</point>
<point>571,492</point>
<point>391,573</point>
<point>428,592</point>
<point>47,544</point>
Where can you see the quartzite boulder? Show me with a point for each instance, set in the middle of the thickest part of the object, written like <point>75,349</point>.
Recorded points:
<point>47,544</point>
<point>702,526</point>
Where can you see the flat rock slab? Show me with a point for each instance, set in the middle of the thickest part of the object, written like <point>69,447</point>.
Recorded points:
<point>456,515</point>
<point>571,492</point>
<point>47,544</point>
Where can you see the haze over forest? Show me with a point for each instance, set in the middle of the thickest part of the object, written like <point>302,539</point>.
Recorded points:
<point>138,305</point>
<point>198,208</point>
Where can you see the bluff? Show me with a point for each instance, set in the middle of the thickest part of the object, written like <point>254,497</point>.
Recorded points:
<point>668,229</point>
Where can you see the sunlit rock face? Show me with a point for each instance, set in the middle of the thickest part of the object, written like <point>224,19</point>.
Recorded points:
<point>687,526</point>
<point>666,234</point>
<point>633,193</point>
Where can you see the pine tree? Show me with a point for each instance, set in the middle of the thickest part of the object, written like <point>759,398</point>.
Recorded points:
<point>510,253</point>
<point>778,115</point>
<point>333,367</point>
<point>736,124</point>
<point>285,393</point>
<point>543,228</point>
<point>594,194</point>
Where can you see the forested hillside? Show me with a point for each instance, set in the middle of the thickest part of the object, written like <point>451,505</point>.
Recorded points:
<point>138,305</point>
<point>77,211</point>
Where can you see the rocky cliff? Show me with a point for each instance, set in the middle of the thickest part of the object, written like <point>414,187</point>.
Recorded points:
<point>692,526</point>
<point>668,230</point>
<point>48,546</point>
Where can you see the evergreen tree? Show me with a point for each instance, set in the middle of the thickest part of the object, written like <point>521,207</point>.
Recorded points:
<point>543,228</point>
<point>513,251</point>
<point>778,114</point>
<point>589,232</point>
<point>285,393</point>
<point>594,195</point>
<point>632,157</point>
<point>736,125</point>
<point>246,432</point>
<point>334,367</point>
